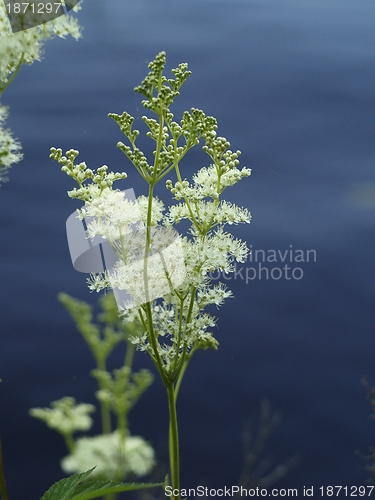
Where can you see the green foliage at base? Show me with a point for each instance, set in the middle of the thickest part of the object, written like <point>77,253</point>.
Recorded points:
<point>76,488</point>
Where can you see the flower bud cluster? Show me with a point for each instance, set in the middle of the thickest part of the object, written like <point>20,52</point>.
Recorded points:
<point>167,89</point>
<point>196,124</point>
<point>125,122</point>
<point>179,189</point>
<point>137,157</point>
<point>152,80</point>
<point>80,173</point>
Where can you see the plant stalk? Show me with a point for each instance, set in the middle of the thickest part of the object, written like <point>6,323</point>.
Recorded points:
<point>174,455</point>
<point>104,407</point>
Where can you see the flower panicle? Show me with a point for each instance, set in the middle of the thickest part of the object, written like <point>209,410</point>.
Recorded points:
<point>174,323</point>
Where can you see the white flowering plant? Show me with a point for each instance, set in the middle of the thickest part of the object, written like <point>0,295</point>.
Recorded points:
<point>115,454</point>
<point>168,302</point>
<point>16,50</point>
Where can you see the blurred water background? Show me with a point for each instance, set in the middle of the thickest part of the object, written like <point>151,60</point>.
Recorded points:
<point>292,84</point>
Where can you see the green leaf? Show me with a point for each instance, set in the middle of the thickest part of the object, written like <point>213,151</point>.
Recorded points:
<point>73,488</point>
<point>65,488</point>
<point>95,489</point>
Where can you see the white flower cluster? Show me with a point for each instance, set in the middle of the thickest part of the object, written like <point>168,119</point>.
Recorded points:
<point>9,147</point>
<point>110,215</point>
<point>208,182</point>
<point>201,256</point>
<point>218,250</point>
<point>115,218</point>
<point>157,210</point>
<point>113,456</point>
<point>65,416</point>
<point>148,279</point>
<point>27,46</point>
<point>193,335</point>
<point>207,212</point>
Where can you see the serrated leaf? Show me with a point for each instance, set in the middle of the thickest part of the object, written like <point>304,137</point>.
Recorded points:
<point>95,489</point>
<point>65,489</point>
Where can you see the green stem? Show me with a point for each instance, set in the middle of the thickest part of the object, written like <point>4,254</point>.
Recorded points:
<point>129,356</point>
<point>173,370</point>
<point>69,441</point>
<point>151,335</point>
<point>106,418</point>
<point>122,420</point>
<point>174,456</point>
<point>104,407</point>
<point>14,74</point>
<point>150,326</point>
<point>3,484</point>
<point>182,373</point>
<point>168,381</point>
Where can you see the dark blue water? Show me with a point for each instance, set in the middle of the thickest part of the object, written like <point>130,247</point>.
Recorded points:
<point>292,85</point>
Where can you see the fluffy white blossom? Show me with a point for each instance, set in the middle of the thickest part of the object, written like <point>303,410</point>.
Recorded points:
<point>66,416</point>
<point>157,209</point>
<point>111,216</point>
<point>148,266</point>
<point>209,213</point>
<point>209,182</point>
<point>218,250</point>
<point>148,279</point>
<point>9,147</point>
<point>113,456</point>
